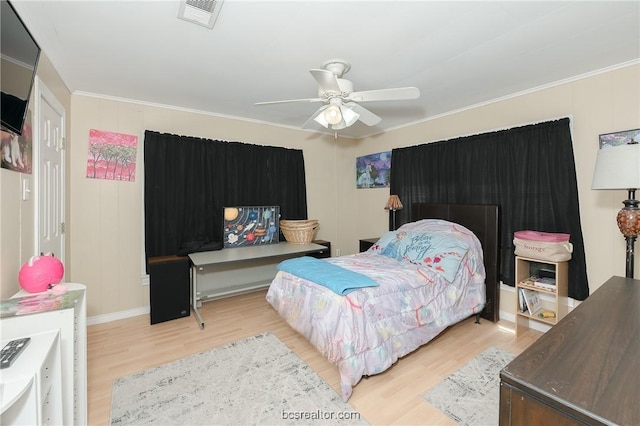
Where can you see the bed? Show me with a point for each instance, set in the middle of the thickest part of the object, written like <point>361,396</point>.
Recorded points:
<point>394,298</point>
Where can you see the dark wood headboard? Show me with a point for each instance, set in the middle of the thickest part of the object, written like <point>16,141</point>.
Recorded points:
<point>484,221</point>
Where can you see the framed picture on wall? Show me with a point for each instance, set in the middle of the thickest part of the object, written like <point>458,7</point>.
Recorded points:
<point>620,138</point>
<point>17,150</point>
<point>373,170</point>
<point>111,156</point>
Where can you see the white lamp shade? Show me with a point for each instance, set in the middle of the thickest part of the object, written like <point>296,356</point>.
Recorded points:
<point>319,118</point>
<point>336,116</point>
<point>349,116</point>
<point>332,114</point>
<point>617,167</point>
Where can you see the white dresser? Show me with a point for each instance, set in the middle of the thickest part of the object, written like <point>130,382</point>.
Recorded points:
<point>31,313</point>
<point>31,388</point>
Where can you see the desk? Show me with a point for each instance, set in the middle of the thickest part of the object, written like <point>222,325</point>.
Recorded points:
<point>239,270</point>
<point>584,370</point>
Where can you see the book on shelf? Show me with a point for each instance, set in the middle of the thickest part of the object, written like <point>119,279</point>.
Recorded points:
<point>532,300</point>
<point>522,306</point>
<point>546,283</point>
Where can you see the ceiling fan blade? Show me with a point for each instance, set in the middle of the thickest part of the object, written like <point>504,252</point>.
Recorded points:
<point>366,116</point>
<point>327,80</point>
<point>288,101</point>
<point>397,94</point>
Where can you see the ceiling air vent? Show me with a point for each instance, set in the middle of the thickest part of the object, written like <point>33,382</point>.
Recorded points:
<point>201,12</point>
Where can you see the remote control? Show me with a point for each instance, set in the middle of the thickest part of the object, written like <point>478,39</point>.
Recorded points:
<point>12,350</point>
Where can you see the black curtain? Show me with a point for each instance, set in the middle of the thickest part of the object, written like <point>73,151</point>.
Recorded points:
<point>189,180</point>
<point>528,171</point>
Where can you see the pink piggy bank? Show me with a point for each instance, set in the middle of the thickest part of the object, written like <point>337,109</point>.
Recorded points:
<point>40,274</point>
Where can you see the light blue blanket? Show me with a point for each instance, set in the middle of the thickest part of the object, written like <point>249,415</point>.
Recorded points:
<point>336,278</point>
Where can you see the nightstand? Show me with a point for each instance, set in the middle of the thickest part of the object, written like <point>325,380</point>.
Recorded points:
<point>324,253</point>
<point>366,243</point>
<point>556,292</point>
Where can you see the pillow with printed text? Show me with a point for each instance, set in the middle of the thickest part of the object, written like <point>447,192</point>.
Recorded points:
<point>434,251</point>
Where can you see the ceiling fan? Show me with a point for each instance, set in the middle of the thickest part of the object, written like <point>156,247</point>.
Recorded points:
<point>341,107</point>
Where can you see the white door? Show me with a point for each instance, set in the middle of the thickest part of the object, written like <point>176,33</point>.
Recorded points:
<point>49,149</point>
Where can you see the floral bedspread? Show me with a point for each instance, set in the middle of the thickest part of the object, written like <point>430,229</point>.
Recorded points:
<point>368,330</point>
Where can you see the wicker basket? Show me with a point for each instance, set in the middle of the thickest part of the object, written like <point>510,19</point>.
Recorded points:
<point>297,224</point>
<point>299,231</point>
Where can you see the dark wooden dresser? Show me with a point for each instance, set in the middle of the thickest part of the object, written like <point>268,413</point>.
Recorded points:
<point>585,369</point>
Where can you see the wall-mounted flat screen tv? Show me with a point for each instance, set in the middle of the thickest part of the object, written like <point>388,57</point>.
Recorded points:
<point>251,226</point>
<point>19,54</point>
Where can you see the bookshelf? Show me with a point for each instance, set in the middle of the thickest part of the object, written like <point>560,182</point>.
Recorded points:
<point>554,298</point>
<point>30,313</point>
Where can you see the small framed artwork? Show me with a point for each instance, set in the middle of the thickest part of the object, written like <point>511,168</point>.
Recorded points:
<point>620,138</point>
<point>111,156</point>
<point>373,170</point>
<point>17,150</point>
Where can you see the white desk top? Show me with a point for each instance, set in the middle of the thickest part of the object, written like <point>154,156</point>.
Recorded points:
<point>252,252</point>
<point>24,303</point>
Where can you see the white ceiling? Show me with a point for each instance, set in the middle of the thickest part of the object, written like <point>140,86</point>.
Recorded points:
<point>457,53</point>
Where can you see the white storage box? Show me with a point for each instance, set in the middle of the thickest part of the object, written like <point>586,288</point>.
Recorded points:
<point>549,246</point>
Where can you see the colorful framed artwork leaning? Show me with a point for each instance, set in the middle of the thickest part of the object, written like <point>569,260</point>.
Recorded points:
<point>251,226</point>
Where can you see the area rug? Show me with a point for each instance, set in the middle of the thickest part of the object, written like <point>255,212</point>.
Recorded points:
<point>471,395</point>
<point>258,380</point>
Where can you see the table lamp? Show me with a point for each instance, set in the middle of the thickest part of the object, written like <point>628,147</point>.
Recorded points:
<point>618,167</point>
<point>393,204</point>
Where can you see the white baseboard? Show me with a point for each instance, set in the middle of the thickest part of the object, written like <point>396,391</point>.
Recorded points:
<point>99,319</point>
<point>507,316</point>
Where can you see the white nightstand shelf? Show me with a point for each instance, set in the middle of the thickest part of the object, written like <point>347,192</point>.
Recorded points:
<point>31,388</point>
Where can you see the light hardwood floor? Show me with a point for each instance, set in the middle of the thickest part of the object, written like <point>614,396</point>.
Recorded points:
<point>127,346</point>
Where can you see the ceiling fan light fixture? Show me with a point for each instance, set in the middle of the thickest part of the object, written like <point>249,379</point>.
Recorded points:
<point>320,119</point>
<point>341,125</point>
<point>342,108</point>
<point>349,116</point>
<point>332,114</point>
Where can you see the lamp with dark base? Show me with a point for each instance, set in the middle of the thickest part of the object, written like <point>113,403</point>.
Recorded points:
<point>393,204</point>
<point>629,224</point>
<point>618,167</point>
